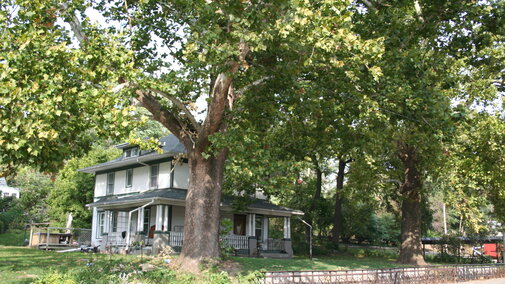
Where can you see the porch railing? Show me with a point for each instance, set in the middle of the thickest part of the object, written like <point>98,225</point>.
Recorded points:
<point>175,239</point>
<point>273,245</point>
<point>235,241</point>
<point>116,239</point>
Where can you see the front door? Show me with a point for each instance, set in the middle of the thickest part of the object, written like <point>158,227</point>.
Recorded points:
<point>239,222</point>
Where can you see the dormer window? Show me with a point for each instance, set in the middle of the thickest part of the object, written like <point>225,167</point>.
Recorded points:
<point>131,152</point>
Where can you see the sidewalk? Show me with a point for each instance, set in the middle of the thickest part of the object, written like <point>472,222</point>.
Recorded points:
<point>485,281</point>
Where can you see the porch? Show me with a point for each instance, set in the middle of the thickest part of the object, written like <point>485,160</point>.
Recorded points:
<point>155,226</point>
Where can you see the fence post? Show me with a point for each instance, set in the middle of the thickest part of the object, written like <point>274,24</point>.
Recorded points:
<point>47,239</point>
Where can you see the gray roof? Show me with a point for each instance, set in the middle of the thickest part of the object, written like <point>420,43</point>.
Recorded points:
<point>170,146</point>
<point>180,194</point>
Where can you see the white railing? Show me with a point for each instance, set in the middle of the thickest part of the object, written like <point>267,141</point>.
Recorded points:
<point>273,244</point>
<point>115,239</point>
<point>235,241</point>
<point>175,239</point>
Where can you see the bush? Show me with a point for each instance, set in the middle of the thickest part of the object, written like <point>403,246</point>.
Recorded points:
<point>449,259</point>
<point>129,271</point>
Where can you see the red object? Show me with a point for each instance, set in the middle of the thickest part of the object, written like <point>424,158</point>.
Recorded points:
<point>490,250</point>
<point>299,181</point>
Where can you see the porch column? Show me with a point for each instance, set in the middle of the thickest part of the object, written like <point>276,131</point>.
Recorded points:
<point>165,219</point>
<point>159,218</point>
<point>265,228</point>
<point>251,224</point>
<point>140,220</point>
<point>287,228</point>
<point>160,238</point>
<point>108,221</point>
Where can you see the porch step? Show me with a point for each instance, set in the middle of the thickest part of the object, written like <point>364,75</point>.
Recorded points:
<point>274,255</point>
<point>145,251</point>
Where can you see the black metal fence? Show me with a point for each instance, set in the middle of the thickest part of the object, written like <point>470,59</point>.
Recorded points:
<point>426,274</point>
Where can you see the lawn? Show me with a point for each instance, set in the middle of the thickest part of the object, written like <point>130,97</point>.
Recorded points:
<point>336,262</point>
<point>12,238</point>
<point>22,265</point>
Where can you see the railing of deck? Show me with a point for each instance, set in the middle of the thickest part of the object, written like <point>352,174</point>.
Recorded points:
<point>235,241</point>
<point>175,239</point>
<point>273,245</point>
<point>116,239</point>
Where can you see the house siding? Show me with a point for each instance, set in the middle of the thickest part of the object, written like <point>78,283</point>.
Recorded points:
<point>120,182</point>
<point>164,175</point>
<point>181,176</point>
<point>100,184</point>
<point>140,179</point>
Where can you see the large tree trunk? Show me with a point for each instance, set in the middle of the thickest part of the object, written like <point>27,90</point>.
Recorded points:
<point>411,251</point>
<point>337,218</point>
<point>202,212</point>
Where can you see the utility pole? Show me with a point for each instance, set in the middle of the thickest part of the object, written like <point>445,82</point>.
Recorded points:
<point>310,236</point>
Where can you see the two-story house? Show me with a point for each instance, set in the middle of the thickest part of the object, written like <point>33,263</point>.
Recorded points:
<point>140,196</point>
<point>6,191</point>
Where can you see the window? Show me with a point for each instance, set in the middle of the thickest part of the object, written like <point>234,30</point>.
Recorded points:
<point>131,152</point>
<point>6,194</point>
<point>129,177</point>
<point>259,227</point>
<point>110,183</point>
<point>135,152</point>
<point>114,221</point>
<point>101,224</point>
<point>154,176</point>
<point>147,216</point>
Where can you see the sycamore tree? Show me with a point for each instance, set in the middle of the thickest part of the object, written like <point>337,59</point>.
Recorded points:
<point>66,79</point>
<point>435,57</point>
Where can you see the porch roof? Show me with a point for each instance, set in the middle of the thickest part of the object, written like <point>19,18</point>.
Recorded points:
<point>179,195</point>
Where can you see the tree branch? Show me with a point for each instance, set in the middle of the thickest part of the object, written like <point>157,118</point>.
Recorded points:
<point>393,181</point>
<point>165,117</point>
<point>418,11</point>
<point>75,25</point>
<point>369,5</point>
<point>253,84</point>
<point>181,106</point>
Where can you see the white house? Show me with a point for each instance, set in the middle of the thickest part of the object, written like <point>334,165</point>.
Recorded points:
<point>6,190</point>
<point>141,196</point>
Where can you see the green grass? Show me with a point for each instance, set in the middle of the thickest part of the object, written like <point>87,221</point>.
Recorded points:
<point>23,265</point>
<point>336,262</point>
<point>12,238</point>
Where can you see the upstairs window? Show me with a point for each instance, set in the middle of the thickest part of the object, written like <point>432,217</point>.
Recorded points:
<point>110,183</point>
<point>153,182</point>
<point>129,177</point>
<point>131,152</point>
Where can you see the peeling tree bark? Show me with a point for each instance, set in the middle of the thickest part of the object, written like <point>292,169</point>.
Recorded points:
<point>411,247</point>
